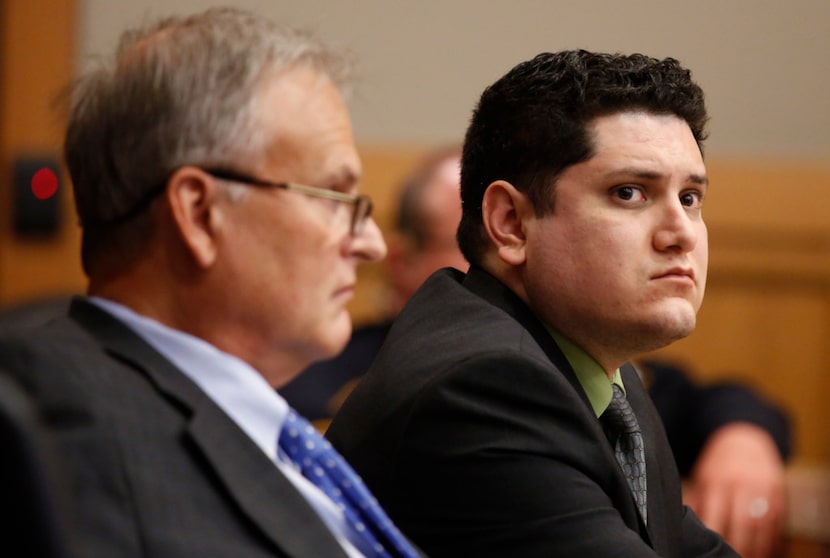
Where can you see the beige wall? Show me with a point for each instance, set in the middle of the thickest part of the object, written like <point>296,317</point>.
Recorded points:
<point>765,64</point>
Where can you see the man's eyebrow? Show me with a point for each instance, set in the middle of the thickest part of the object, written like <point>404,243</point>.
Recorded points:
<point>701,179</point>
<point>695,178</point>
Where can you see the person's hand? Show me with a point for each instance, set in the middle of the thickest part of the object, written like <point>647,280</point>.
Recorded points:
<point>737,489</point>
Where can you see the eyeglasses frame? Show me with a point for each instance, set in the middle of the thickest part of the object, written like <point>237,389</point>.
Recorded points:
<point>361,203</point>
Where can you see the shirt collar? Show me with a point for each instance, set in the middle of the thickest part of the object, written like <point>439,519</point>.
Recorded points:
<point>235,386</point>
<point>590,374</point>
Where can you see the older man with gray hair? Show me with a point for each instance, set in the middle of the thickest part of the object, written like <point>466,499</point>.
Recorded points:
<point>215,178</point>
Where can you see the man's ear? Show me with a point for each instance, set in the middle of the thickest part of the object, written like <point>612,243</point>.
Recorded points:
<point>192,195</point>
<point>504,211</point>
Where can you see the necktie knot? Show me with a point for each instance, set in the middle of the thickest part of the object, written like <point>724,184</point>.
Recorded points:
<point>300,440</point>
<point>619,414</point>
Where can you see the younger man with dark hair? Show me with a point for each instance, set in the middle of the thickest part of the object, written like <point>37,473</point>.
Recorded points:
<point>501,417</point>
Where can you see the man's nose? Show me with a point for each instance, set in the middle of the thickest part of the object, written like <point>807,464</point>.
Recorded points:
<point>368,244</point>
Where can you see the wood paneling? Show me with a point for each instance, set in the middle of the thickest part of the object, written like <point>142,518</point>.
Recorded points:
<point>766,316</point>
<point>383,170</point>
<point>37,39</point>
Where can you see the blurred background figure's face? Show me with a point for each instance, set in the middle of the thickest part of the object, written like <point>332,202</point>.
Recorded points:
<point>440,203</point>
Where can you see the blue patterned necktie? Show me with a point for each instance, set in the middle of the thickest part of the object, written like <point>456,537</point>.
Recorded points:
<point>621,424</point>
<point>325,468</point>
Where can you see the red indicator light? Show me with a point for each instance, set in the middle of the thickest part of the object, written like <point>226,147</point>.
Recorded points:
<point>44,184</point>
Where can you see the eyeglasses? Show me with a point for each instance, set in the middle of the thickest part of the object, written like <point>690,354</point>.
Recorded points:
<point>361,204</point>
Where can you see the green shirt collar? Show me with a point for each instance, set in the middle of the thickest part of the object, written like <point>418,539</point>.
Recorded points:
<point>590,374</point>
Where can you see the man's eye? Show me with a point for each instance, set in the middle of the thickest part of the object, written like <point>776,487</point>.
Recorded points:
<point>691,199</point>
<point>629,193</point>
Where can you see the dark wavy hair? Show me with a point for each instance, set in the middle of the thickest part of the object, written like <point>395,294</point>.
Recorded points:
<point>533,123</point>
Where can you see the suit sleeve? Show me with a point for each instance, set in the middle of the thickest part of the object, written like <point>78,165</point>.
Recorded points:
<point>692,412</point>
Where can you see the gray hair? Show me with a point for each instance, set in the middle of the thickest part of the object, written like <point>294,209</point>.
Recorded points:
<point>182,91</point>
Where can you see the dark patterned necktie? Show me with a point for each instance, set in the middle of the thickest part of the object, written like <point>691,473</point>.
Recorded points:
<point>621,425</point>
<point>325,468</point>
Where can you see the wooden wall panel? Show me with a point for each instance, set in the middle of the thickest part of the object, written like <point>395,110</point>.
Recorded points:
<point>772,336</point>
<point>37,39</point>
<point>383,170</point>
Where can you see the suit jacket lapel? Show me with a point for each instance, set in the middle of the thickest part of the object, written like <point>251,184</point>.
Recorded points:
<point>487,287</point>
<point>266,496</point>
<point>261,491</point>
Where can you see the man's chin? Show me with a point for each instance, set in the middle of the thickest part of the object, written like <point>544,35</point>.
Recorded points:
<point>337,336</point>
<point>673,323</point>
<point>675,327</point>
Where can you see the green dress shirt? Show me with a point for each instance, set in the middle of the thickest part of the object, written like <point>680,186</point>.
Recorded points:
<point>590,374</point>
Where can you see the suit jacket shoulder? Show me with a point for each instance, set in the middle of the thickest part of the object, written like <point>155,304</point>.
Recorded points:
<point>153,467</point>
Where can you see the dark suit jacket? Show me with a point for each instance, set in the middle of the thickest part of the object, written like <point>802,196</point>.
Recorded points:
<point>474,433</point>
<point>153,467</point>
<point>690,412</point>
